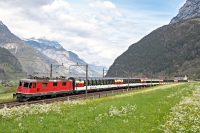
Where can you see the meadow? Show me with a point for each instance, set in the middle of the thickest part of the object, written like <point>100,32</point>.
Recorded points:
<point>6,92</point>
<point>154,109</point>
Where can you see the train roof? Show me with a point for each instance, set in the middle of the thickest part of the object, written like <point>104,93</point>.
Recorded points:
<point>103,78</point>
<point>90,78</point>
<point>43,80</point>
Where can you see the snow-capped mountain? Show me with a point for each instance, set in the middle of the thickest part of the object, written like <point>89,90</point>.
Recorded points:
<point>55,51</point>
<point>31,60</point>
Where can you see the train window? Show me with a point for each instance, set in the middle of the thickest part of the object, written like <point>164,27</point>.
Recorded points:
<point>44,84</point>
<point>20,83</point>
<point>26,84</point>
<point>93,82</point>
<point>105,82</point>
<point>108,81</point>
<point>30,85</point>
<point>100,82</point>
<point>64,84</point>
<point>97,82</point>
<point>55,83</point>
<point>34,85</point>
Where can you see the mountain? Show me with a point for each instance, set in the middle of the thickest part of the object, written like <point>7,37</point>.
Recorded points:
<point>55,51</point>
<point>10,67</point>
<point>31,60</point>
<point>166,52</point>
<point>190,9</point>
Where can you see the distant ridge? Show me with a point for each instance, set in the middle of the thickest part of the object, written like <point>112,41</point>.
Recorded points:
<point>36,56</point>
<point>31,60</point>
<point>55,51</point>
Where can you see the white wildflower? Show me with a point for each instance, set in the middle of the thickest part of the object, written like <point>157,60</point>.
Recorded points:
<point>125,121</point>
<point>185,117</point>
<point>22,111</point>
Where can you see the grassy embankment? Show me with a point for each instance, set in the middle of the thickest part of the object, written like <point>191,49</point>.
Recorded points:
<point>6,93</point>
<point>141,111</point>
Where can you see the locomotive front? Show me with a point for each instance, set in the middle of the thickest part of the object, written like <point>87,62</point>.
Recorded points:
<point>25,90</point>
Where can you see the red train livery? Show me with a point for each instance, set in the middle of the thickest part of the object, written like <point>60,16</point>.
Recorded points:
<point>29,88</point>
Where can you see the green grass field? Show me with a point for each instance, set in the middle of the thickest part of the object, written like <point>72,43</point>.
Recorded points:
<point>146,110</point>
<point>6,93</point>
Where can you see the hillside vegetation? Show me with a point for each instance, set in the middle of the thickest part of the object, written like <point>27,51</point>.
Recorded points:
<point>166,52</point>
<point>10,67</point>
<point>145,110</point>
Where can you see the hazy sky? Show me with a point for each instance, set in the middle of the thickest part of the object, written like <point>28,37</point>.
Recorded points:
<point>97,30</point>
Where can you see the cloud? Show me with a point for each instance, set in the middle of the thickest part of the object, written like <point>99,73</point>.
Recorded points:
<point>58,6</point>
<point>103,5</point>
<point>98,31</point>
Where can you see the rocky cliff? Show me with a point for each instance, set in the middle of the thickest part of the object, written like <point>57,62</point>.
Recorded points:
<point>190,9</point>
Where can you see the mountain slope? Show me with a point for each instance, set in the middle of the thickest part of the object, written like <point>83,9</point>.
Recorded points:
<point>189,10</point>
<point>10,67</point>
<point>168,51</point>
<point>55,51</point>
<point>30,59</point>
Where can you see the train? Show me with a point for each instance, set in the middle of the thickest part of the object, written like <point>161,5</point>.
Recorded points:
<point>37,88</point>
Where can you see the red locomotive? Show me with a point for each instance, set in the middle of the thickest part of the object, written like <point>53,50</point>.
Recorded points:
<point>41,87</point>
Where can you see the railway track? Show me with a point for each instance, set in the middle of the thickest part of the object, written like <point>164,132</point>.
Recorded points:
<point>69,98</point>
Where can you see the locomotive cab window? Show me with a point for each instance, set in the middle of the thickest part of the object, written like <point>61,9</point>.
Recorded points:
<point>64,84</point>
<point>26,84</point>
<point>20,83</point>
<point>55,84</point>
